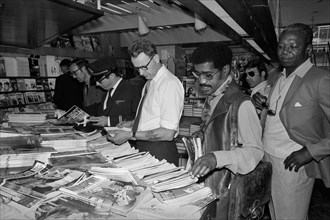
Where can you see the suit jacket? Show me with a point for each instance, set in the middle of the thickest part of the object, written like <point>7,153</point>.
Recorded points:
<point>68,92</point>
<point>305,114</point>
<point>124,102</point>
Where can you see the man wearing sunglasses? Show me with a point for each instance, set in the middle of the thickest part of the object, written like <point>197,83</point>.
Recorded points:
<point>256,75</point>
<point>92,95</point>
<point>157,122</point>
<point>122,98</point>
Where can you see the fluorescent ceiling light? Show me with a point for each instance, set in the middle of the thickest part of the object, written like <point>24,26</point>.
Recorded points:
<point>141,3</point>
<point>223,15</point>
<point>256,46</point>
<point>109,9</point>
<point>120,8</point>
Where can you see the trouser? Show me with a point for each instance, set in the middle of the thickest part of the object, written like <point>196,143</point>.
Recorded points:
<point>160,149</point>
<point>291,191</point>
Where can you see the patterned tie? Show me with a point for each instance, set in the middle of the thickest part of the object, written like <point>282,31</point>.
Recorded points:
<point>138,116</point>
<point>206,111</point>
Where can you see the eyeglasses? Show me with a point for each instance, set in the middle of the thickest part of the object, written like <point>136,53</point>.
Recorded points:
<point>251,73</point>
<point>272,112</point>
<point>144,67</point>
<point>74,73</point>
<point>207,76</point>
<point>103,77</point>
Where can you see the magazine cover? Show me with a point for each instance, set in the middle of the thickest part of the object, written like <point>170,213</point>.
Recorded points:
<point>13,84</point>
<point>86,40</point>
<point>2,67</point>
<point>74,114</point>
<point>51,83</point>
<point>34,67</point>
<point>5,85</point>
<point>21,84</point>
<point>118,196</point>
<point>13,99</point>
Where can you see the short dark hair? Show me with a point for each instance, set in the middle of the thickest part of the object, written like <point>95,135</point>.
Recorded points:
<point>80,62</point>
<point>218,53</point>
<point>142,46</point>
<point>303,28</point>
<point>65,62</point>
<point>261,66</point>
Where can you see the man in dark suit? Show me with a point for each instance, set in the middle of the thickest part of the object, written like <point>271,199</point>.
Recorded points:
<point>297,126</point>
<point>122,99</point>
<point>68,91</point>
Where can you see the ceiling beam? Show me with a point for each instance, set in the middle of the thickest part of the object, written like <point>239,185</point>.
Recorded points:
<point>112,23</point>
<point>174,36</point>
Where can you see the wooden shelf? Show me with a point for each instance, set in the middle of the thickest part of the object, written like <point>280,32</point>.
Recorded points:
<point>61,52</point>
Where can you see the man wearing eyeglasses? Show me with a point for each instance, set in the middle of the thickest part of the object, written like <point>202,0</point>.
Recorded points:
<point>157,121</point>
<point>92,95</point>
<point>122,98</point>
<point>297,129</point>
<point>212,68</point>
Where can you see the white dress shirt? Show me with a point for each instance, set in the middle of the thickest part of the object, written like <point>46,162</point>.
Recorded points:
<point>276,139</point>
<point>163,104</point>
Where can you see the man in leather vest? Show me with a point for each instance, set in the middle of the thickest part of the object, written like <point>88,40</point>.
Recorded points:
<point>212,65</point>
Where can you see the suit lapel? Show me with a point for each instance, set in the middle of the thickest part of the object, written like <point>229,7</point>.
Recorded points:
<point>292,90</point>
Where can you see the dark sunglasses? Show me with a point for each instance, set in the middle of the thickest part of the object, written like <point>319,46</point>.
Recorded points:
<point>144,67</point>
<point>251,73</point>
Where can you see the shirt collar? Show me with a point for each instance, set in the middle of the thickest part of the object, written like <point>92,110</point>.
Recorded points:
<point>116,85</point>
<point>301,70</point>
<point>159,73</point>
<point>222,89</point>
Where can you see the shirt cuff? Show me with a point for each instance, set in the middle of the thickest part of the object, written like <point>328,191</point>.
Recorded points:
<point>226,159</point>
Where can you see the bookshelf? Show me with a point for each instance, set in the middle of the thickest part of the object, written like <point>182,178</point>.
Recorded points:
<point>22,91</point>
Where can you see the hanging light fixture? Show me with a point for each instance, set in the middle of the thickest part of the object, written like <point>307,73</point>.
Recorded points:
<point>200,25</point>
<point>143,28</point>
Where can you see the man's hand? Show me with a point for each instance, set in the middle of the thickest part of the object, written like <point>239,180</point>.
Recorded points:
<point>298,159</point>
<point>198,134</point>
<point>101,121</point>
<point>203,165</point>
<point>126,124</point>
<point>118,137</point>
<point>259,101</point>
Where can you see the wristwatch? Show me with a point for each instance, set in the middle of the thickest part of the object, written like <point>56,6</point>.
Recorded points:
<point>133,136</point>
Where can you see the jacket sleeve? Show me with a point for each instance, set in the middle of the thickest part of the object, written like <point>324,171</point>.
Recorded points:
<point>321,149</point>
<point>244,159</point>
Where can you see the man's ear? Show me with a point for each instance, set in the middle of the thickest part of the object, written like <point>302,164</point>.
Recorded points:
<point>309,50</point>
<point>263,73</point>
<point>226,70</point>
<point>157,58</point>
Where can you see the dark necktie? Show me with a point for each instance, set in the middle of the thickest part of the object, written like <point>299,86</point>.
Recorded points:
<point>85,95</point>
<point>109,98</point>
<point>138,116</point>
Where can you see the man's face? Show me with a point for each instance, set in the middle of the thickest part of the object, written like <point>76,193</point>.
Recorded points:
<point>106,83</point>
<point>253,77</point>
<point>146,65</point>
<point>209,86</point>
<point>291,50</point>
<point>65,69</point>
<point>77,72</point>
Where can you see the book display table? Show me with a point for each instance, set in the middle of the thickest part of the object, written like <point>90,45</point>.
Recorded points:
<point>94,180</point>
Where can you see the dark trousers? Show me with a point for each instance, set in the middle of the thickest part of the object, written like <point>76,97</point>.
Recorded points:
<point>160,149</point>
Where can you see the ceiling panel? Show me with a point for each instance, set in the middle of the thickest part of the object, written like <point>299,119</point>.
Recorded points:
<point>31,23</point>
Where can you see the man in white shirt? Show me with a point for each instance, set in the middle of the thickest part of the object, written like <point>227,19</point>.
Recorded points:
<point>157,121</point>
